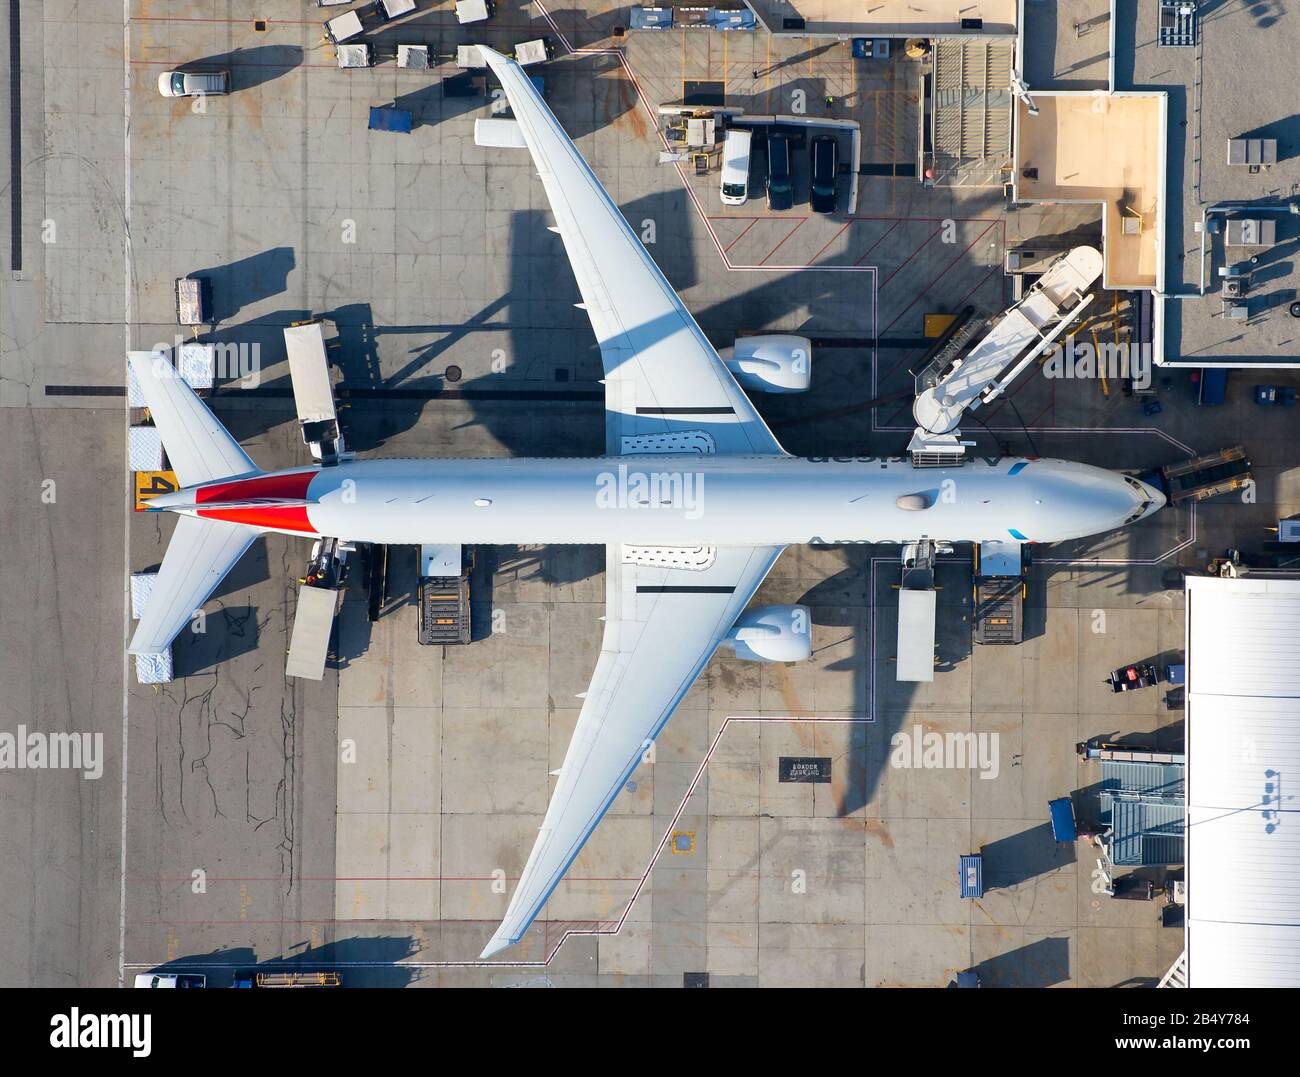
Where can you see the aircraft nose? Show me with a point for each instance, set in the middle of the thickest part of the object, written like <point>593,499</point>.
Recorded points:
<point>1158,499</point>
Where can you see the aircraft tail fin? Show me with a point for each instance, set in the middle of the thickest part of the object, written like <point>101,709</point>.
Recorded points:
<point>198,446</point>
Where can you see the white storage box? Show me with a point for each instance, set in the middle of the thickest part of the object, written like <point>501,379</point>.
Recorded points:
<point>197,364</point>
<point>154,668</point>
<point>144,448</point>
<point>468,11</point>
<point>416,56</point>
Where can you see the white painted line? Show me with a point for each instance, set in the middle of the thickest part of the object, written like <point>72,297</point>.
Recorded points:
<point>128,492</point>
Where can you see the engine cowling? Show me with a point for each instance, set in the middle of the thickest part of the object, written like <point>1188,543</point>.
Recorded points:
<point>772,634</point>
<point>771,364</point>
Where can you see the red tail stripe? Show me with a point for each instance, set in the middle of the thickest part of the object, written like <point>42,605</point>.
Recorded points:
<point>289,485</point>
<point>279,517</point>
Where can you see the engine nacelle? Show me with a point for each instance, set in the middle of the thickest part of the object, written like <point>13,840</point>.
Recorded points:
<point>772,634</point>
<point>771,364</point>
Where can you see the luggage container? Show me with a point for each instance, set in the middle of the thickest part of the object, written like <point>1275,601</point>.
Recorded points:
<point>537,51</point>
<point>388,118</point>
<point>343,27</point>
<point>468,11</point>
<point>970,876</point>
<point>193,301</point>
<point>1061,812</point>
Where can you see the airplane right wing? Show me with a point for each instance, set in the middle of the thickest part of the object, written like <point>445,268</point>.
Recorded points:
<point>662,626</point>
<point>662,375</point>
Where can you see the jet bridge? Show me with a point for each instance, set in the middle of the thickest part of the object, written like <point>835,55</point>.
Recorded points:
<point>947,388</point>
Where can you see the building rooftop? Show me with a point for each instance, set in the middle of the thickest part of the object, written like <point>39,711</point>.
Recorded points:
<point>1231,85</point>
<point>1243,744</point>
<point>1089,146</point>
<point>886,18</point>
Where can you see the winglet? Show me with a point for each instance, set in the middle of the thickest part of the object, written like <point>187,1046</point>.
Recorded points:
<point>500,941</point>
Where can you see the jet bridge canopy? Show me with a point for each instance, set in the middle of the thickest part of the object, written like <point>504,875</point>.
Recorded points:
<point>1022,333</point>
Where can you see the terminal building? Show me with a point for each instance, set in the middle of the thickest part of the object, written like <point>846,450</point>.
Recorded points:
<point>1195,171</point>
<point>1242,925</point>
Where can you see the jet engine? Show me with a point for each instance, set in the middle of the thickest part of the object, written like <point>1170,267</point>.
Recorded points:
<point>771,364</point>
<point>772,634</point>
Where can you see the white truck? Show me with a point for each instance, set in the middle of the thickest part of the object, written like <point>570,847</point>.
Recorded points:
<point>313,395</point>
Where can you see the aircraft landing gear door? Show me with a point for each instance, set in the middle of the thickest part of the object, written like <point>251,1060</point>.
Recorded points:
<point>313,395</point>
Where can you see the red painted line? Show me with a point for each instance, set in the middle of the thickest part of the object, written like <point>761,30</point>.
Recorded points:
<point>741,236</point>
<point>370,878</point>
<point>910,257</point>
<point>880,240</point>
<point>335,920</point>
<point>925,220</point>
<point>828,243</point>
<point>787,236</point>
<point>939,277</point>
<point>982,282</point>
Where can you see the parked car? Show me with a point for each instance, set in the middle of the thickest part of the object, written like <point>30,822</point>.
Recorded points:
<point>194,83</point>
<point>780,183</point>
<point>171,980</point>
<point>825,154</point>
<point>1275,394</point>
<point>735,166</point>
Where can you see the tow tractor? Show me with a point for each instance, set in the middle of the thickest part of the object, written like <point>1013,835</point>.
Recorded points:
<point>1131,678</point>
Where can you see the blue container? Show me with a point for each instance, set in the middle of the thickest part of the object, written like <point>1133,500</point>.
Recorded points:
<point>387,118</point>
<point>970,876</point>
<point>1062,812</point>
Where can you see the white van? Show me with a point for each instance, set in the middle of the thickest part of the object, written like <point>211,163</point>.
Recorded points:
<point>735,167</point>
<point>194,84</point>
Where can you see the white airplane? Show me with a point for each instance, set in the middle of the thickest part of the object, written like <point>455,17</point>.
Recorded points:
<point>694,501</point>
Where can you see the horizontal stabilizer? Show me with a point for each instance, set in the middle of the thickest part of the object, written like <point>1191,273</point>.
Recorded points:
<point>200,554</point>
<point>198,446</point>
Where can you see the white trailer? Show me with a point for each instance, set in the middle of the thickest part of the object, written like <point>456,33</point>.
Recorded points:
<point>313,395</point>
<point>916,616</point>
<point>313,623</point>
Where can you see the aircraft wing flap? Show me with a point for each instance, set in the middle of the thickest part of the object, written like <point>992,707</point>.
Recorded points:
<point>672,376</point>
<point>662,626</point>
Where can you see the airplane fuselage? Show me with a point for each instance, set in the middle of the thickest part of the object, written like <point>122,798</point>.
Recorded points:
<point>669,500</point>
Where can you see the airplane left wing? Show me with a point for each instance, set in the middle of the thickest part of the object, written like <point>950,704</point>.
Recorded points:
<point>661,627</point>
<point>662,376</point>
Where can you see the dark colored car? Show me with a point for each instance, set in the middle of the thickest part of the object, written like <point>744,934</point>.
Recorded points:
<point>780,184</point>
<point>825,164</point>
